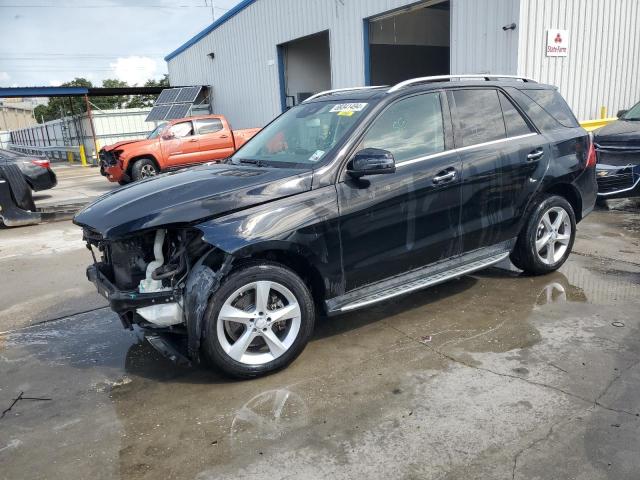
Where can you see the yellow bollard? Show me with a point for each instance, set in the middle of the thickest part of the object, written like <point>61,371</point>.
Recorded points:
<point>603,112</point>
<point>83,157</point>
<point>70,157</point>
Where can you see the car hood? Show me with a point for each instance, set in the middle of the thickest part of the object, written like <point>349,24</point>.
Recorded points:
<point>144,141</point>
<point>618,132</point>
<point>188,196</point>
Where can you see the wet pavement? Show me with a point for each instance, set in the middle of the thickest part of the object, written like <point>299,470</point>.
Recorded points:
<point>489,376</point>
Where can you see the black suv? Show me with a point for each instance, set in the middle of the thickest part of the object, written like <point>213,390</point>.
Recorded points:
<point>353,197</point>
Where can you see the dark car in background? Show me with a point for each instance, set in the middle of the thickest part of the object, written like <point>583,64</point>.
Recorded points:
<point>618,152</point>
<point>36,171</point>
<point>354,197</point>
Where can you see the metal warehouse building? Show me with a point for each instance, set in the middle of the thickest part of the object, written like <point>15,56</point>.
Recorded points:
<point>265,55</point>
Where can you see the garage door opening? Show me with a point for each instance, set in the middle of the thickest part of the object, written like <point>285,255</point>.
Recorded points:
<point>410,43</point>
<point>305,68</point>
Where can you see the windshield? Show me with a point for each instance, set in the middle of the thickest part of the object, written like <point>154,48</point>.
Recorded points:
<point>156,131</point>
<point>633,114</point>
<point>301,137</point>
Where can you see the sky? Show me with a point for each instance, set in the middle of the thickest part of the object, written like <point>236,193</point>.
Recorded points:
<point>48,42</point>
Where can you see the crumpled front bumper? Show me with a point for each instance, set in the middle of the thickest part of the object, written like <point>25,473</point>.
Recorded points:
<point>123,302</point>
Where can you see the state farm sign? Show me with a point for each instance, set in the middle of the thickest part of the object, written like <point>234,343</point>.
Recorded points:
<point>557,43</point>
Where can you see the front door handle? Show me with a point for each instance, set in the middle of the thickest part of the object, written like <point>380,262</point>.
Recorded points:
<point>445,176</point>
<point>224,136</point>
<point>536,154</point>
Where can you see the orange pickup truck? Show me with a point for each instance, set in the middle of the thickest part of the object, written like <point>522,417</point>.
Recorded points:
<point>176,144</point>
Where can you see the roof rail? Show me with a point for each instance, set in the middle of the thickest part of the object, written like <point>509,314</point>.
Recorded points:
<point>439,78</point>
<point>327,92</point>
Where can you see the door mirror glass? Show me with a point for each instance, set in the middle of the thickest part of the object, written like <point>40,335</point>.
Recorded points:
<point>371,161</point>
<point>621,113</point>
<point>168,135</point>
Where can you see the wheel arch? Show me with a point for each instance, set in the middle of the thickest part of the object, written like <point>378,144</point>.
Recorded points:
<point>295,257</point>
<point>570,194</point>
<point>134,159</point>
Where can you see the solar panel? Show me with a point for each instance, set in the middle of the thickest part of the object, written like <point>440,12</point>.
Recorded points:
<point>158,113</point>
<point>168,95</point>
<point>188,94</point>
<point>179,110</point>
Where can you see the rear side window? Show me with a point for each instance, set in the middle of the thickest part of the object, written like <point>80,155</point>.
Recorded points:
<point>479,116</point>
<point>553,103</point>
<point>516,125</point>
<point>208,125</point>
<point>410,128</point>
<point>544,120</point>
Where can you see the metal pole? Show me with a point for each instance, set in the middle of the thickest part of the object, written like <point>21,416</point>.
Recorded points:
<point>93,130</point>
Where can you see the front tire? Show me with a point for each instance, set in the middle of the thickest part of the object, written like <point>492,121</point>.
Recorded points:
<point>546,240</point>
<point>143,168</point>
<point>258,321</point>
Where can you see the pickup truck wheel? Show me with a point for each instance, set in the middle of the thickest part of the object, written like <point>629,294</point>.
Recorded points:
<point>545,242</point>
<point>258,321</point>
<point>143,168</point>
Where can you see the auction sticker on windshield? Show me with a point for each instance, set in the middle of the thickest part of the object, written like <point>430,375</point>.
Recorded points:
<point>348,107</point>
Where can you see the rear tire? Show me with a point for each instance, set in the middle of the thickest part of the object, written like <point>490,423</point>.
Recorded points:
<point>546,240</point>
<point>258,321</point>
<point>143,168</point>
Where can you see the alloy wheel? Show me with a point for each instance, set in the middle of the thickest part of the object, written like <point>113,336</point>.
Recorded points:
<point>147,171</point>
<point>258,322</point>
<point>553,235</point>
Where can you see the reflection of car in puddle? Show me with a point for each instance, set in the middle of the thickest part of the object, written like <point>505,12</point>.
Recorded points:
<point>268,415</point>
<point>560,291</point>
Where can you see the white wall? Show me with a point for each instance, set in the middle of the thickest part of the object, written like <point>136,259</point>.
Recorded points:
<point>603,64</point>
<point>244,74</point>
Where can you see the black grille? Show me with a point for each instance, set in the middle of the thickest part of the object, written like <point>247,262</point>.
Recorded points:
<point>613,183</point>
<point>107,158</point>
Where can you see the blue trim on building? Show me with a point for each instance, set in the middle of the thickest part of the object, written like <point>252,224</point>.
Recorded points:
<point>42,91</point>
<point>281,78</point>
<point>367,52</point>
<point>223,19</point>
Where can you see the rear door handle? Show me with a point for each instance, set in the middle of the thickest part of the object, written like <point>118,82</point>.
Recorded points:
<point>536,154</point>
<point>444,176</point>
<point>193,140</point>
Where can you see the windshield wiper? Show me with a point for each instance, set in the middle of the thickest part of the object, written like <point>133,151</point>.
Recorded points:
<point>257,163</point>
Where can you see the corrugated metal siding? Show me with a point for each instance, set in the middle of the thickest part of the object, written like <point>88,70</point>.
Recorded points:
<point>244,73</point>
<point>602,68</point>
<point>478,43</point>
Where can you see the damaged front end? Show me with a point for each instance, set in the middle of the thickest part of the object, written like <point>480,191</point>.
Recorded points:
<point>157,279</point>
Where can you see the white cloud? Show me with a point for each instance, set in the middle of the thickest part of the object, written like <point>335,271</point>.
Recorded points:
<point>55,83</point>
<point>4,77</point>
<point>135,70</point>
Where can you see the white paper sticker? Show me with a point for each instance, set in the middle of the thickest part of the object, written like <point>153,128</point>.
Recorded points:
<point>317,155</point>
<point>348,107</point>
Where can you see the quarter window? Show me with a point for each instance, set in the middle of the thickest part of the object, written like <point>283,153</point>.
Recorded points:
<point>410,128</point>
<point>479,116</point>
<point>516,125</point>
<point>553,103</point>
<point>208,125</point>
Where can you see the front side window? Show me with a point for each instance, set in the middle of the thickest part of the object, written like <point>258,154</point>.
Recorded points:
<point>302,136</point>
<point>410,128</point>
<point>181,130</point>
<point>479,116</point>
<point>633,114</point>
<point>156,131</point>
<point>208,125</point>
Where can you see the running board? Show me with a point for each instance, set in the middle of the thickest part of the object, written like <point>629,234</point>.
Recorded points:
<point>417,280</point>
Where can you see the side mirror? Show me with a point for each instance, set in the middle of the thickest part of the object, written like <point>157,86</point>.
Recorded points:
<point>621,113</point>
<point>371,161</point>
<point>168,135</point>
